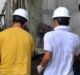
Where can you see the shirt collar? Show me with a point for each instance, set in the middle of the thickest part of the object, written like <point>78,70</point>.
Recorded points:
<point>67,28</point>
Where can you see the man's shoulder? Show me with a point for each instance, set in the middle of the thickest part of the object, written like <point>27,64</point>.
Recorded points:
<point>76,36</point>
<point>5,31</point>
<point>27,33</point>
<point>49,35</point>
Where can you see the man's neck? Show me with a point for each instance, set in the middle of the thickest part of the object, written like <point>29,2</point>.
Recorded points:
<point>17,25</point>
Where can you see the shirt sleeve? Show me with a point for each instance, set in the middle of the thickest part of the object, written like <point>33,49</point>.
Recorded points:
<point>33,44</point>
<point>78,48</point>
<point>47,42</point>
<point>0,41</point>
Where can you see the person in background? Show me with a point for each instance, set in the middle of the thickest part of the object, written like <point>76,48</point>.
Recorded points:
<point>60,45</point>
<point>16,46</point>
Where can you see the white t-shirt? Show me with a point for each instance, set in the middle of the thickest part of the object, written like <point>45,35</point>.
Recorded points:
<point>64,45</point>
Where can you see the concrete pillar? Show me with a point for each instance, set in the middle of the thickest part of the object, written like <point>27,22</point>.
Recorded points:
<point>35,15</point>
<point>34,9</point>
<point>8,13</point>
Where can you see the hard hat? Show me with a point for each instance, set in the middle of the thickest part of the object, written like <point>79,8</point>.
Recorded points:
<point>61,12</point>
<point>21,12</point>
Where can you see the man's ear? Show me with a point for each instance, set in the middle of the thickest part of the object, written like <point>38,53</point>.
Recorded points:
<point>54,22</point>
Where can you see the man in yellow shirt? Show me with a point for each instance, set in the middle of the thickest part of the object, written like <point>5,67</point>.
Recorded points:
<point>16,47</point>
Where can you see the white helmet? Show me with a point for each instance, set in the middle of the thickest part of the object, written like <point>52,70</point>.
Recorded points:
<point>61,12</point>
<point>21,12</point>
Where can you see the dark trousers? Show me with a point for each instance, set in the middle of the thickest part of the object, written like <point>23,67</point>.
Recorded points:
<point>76,67</point>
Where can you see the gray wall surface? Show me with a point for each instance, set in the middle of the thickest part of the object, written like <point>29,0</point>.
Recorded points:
<point>47,11</point>
<point>75,23</point>
<point>72,5</point>
<point>49,6</point>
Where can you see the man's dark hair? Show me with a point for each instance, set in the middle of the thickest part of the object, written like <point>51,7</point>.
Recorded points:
<point>62,20</point>
<point>19,19</point>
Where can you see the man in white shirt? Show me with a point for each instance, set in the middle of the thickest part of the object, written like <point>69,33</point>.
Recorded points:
<point>60,45</point>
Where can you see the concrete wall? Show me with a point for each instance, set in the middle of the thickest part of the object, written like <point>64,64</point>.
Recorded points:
<point>75,23</point>
<point>35,15</point>
<point>47,11</point>
<point>72,5</point>
<point>49,6</point>
<point>2,3</point>
<point>42,12</point>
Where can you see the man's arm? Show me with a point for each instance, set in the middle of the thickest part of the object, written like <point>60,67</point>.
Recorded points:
<point>47,56</point>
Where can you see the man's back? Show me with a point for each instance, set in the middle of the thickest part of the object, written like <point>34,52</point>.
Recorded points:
<point>63,46</point>
<point>16,48</point>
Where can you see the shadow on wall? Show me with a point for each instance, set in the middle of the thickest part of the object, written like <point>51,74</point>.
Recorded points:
<point>42,29</point>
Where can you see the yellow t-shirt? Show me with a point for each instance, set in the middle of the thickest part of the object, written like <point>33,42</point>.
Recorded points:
<point>16,47</point>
